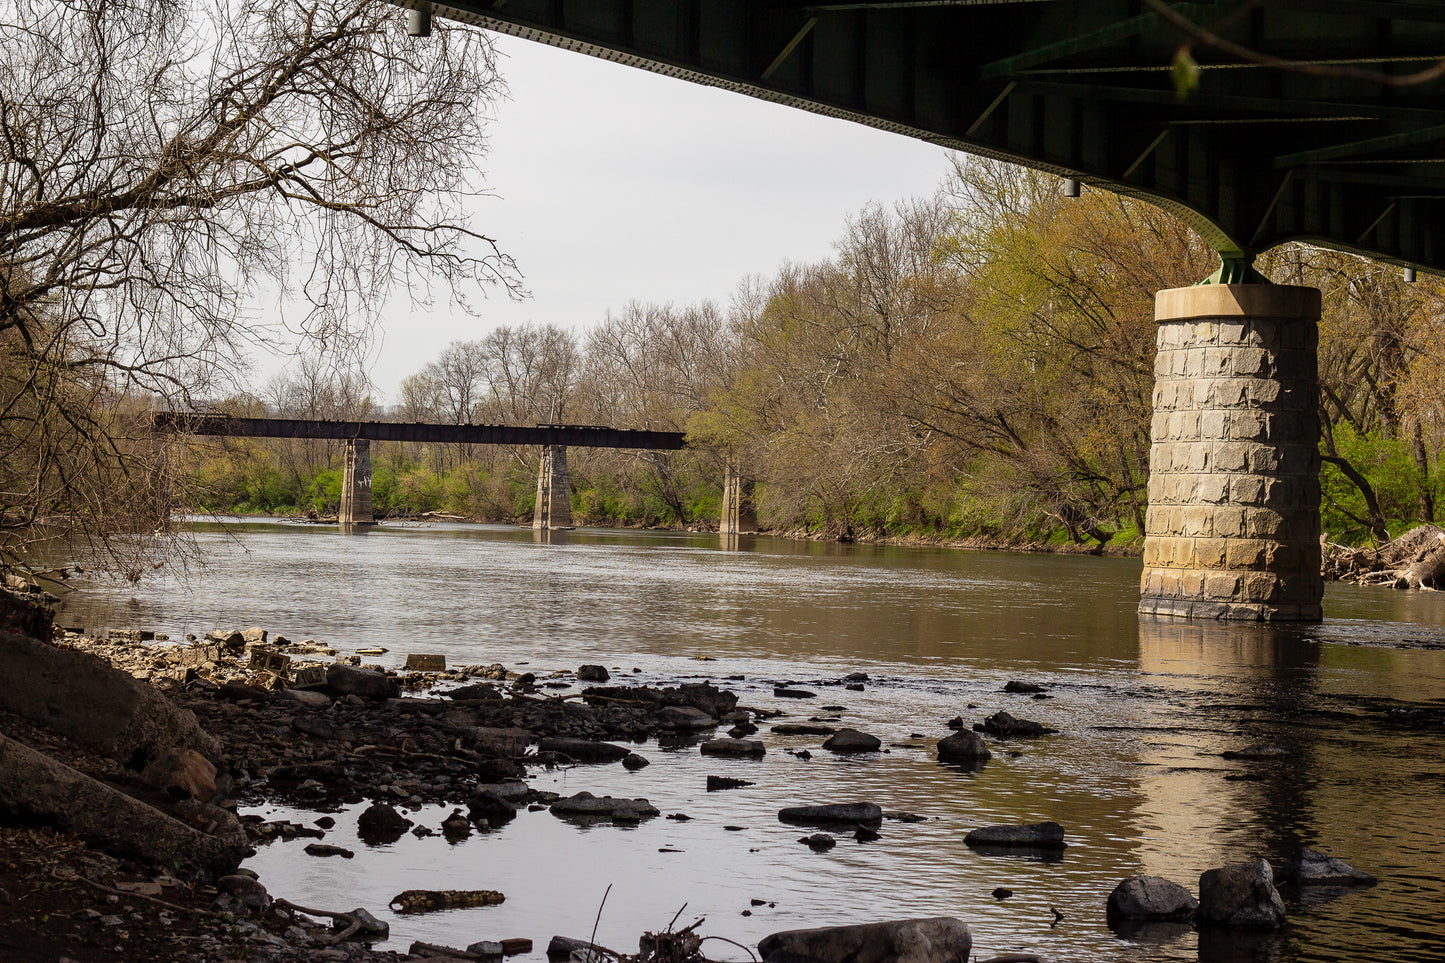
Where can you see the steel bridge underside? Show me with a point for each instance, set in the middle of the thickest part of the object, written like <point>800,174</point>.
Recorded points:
<point>572,436</point>
<point>1255,155</point>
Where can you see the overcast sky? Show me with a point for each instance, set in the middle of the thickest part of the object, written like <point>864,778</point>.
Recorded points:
<point>613,183</point>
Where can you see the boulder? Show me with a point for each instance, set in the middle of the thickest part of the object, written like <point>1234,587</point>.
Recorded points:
<point>306,697</point>
<point>477,690</point>
<point>1001,725</point>
<point>592,673</point>
<point>1241,895</point>
<point>345,680</point>
<point>90,702</point>
<point>380,823</point>
<point>633,762</point>
<point>851,740</point>
<point>782,692</point>
<point>255,635</point>
<point>964,746</point>
<point>732,747</point>
<point>1312,868</point>
<point>860,814</point>
<point>819,842</point>
<point>584,750</point>
<point>941,939</point>
<point>489,807</point>
<point>718,783</point>
<point>181,773</point>
<point>584,805</point>
<point>683,717</point>
<point>1046,835</point>
<point>1150,898</point>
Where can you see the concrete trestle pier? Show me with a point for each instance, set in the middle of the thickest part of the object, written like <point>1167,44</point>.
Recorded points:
<point>1233,525</point>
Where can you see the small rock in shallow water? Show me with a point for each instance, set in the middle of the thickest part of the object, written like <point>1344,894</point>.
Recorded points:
<point>851,740</point>
<point>634,762</point>
<point>732,747</point>
<point>1312,868</point>
<point>1045,835</point>
<point>1241,895</point>
<point>819,841</point>
<point>1149,898</point>
<point>1002,893</point>
<point>716,783</point>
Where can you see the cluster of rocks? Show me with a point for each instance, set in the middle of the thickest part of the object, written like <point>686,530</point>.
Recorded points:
<point>1240,895</point>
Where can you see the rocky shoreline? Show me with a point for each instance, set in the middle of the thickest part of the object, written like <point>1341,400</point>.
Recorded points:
<point>242,718</point>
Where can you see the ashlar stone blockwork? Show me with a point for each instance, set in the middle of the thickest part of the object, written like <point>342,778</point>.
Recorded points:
<point>355,508</point>
<point>1233,529</point>
<point>553,509</point>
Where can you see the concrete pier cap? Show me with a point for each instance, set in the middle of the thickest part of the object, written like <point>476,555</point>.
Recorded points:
<point>1233,527</point>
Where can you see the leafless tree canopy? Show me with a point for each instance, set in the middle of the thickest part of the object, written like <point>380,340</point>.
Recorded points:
<point>165,160</point>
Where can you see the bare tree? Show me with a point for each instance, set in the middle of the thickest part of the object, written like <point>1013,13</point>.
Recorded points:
<point>164,159</point>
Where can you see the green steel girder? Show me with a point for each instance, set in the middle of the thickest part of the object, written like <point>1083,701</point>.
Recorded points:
<point>1255,155</point>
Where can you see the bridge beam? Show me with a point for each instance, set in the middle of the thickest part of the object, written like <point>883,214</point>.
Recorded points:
<point>356,485</point>
<point>554,491</point>
<point>1233,526</point>
<point>739,517</point>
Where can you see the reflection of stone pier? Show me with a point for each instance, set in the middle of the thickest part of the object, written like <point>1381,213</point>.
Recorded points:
<point>356,507</point>
<point>739,517</point>
<point>1233,528</point>
<point>554,490</point>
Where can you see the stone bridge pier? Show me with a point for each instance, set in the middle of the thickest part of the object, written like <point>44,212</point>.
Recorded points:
<point>1233,526</point>
<point>554,491</point>
<point>355,507</point>
<point>739,517</point>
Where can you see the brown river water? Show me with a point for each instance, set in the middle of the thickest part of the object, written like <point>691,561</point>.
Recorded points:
<point>1144,709</point>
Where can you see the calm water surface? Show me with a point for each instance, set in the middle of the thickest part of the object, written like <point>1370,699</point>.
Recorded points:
<point>1135,775</point>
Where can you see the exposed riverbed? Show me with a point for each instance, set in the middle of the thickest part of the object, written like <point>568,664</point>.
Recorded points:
<point>1135,776</point>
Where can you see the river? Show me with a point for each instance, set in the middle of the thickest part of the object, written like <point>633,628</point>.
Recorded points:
<point>1144,709</point>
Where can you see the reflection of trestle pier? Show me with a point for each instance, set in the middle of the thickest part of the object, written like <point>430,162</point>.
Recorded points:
<point>553,508</point>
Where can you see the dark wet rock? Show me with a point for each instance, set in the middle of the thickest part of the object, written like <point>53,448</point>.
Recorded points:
<point>862,814</point>
<point>1002,893</point>
<point>480,691</point>
<point>380,823</point>
<point>716,783</point>
<point>1014,685</point>
<point>683,717</point>
<point>584,750</point>
<point>1150,898</point>
<point>1260,750</point>
<point>732,747</point>
<point>246,890</point>
<point>742,729</point>
<point>804,755</point>
<point>865,835</point>
<point>854,687</point>
<point>851,740</point>
<point>802,729</point>
<point>940,939</point>
<point>679,817</point>
<point>1002,725</point>
<point>1046,835</point>
<point>586,806</point>
<point>787,693</point>
<point>819,842</point>
<point>902,817</point>
<point>1241,895</point>
<point>964,746</point>
<point>326,822</point>
<point>701,695</point>
<point>856,677</point>
<point>486,806</point>
<point>345,680</point>
<point>307,697</point>
<point>423,662</point>
<point>1313,868</point>
<point>414,901</point>
<point>562,948</point>
<point>956,722</point>
<point>326,849</point>
<point>632,761</point>
<point>593,673</point>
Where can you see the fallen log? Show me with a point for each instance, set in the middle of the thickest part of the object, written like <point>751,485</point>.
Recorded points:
<point>433,900</point>
<point>33,785</point>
